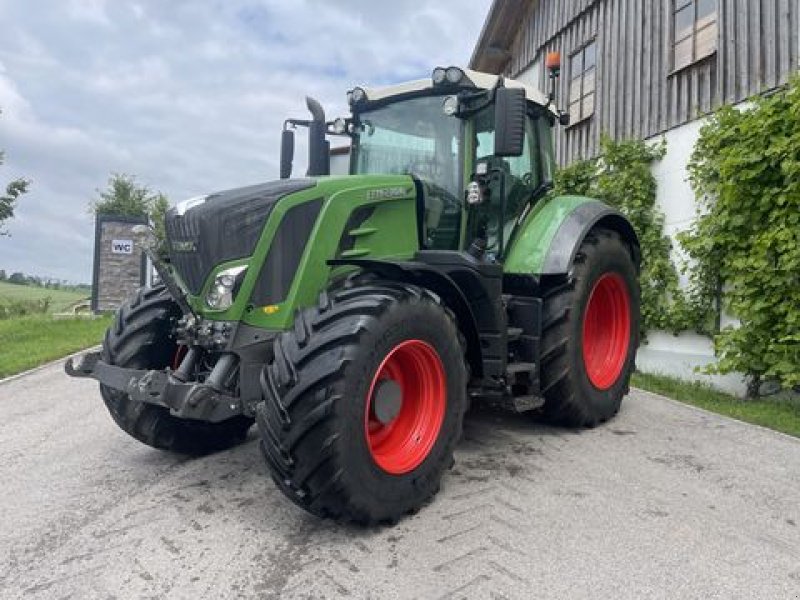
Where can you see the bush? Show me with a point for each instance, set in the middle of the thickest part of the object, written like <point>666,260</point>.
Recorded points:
<point>745,171</point>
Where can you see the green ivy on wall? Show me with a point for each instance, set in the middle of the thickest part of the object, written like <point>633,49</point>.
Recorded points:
<point>745,170</point>
<point>622,177</point>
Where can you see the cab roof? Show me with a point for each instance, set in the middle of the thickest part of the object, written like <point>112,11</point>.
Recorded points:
<point>474,79</point>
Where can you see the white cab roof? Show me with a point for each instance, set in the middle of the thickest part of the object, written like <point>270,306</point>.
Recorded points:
<point>485,81</point>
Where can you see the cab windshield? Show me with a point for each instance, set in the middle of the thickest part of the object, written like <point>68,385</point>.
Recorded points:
<point>415,137</point>
<point>412,137</point>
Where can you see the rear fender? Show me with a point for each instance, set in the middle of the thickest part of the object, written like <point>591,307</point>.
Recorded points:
<point>550,237</point>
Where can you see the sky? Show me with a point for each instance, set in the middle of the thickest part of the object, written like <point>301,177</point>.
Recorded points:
<point>189,97</point>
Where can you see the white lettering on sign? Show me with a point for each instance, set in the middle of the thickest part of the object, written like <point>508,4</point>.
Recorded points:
<point>121,246</point>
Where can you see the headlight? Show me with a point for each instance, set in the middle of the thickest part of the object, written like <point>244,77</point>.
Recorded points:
<point>224,288</point>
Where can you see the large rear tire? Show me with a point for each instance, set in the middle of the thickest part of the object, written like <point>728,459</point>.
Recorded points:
<point>590,333</point>
<point>140,338</point>
<point>364,403</point>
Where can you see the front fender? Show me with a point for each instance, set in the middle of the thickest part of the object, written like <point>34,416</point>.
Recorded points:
<point>550,236</point>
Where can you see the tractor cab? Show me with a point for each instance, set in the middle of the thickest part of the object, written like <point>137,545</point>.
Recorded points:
<point>478,147</point>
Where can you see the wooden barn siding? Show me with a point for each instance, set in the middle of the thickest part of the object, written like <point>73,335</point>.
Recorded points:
<point>637,95</point>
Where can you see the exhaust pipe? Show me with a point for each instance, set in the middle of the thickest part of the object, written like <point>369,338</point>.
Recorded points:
<point>319,149</point>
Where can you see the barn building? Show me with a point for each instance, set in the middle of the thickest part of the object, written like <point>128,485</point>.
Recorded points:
<point>647,69</point>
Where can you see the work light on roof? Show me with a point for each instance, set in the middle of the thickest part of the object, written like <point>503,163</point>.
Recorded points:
<point>356,95</point>
<point>438,76</point>
<point>454,74</point>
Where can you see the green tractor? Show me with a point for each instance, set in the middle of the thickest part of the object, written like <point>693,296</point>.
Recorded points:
<point>355,318</point>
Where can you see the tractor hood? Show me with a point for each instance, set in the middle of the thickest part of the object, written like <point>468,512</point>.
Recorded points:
<point>206,231</point>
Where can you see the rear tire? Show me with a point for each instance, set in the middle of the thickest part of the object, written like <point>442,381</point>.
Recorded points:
<point>364,403</point>
<point>590,334</point>
<point>140,338</point>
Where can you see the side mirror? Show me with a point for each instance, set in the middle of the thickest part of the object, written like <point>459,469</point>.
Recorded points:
<point>287,153</point>
<point>509,121</point>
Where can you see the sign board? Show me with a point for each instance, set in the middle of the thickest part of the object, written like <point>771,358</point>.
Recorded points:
<point>121,246</point>
<point>119,263</point>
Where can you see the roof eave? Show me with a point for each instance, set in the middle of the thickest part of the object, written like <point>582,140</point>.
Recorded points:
<point>492,52</point>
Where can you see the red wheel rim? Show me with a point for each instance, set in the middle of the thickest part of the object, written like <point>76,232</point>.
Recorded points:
<point>401,444</point>
<point>606,330</point>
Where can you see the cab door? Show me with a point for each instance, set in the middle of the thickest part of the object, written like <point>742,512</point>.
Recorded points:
<point>510,182</point>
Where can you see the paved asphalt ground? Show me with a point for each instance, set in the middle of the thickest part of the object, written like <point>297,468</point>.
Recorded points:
<point>663,502</point>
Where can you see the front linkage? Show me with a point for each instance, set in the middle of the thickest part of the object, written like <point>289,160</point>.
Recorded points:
<point>212,400</point>
<point>186,400</point>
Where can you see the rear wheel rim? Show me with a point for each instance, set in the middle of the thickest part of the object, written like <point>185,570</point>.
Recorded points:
<point>404,442</point>
<point>606,330</point>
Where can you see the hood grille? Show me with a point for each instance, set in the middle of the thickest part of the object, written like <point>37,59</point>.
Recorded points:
<point>225,227</point>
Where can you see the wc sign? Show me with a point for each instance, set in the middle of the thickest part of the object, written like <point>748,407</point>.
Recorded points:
<point>121,246</point>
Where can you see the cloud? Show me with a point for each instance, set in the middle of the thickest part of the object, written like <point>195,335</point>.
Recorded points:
<point>189,96</point>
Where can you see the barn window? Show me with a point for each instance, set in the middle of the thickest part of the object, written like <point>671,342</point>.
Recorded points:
<point>582,76</point>
<point>694,31</point>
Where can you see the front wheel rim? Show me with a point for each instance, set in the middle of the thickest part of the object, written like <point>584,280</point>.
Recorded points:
<point>606,330</point>
<point>402,443</point>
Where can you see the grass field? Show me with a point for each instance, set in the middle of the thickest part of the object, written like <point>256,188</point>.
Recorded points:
<point>60,299</point>
<point>27,342</point>
<point>781,414</point>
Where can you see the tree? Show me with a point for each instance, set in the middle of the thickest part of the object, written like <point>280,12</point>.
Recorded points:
<point>125,196</point>
<point>8,200</point>
<point>158,213</point>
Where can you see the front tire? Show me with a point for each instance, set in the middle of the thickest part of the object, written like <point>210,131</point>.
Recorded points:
<point>364,403</point>
<point>590,333</point>
<point>140,338</point>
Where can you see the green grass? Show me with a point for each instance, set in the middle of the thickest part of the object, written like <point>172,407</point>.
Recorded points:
<point>28,342</point>
<point>60,299</point>
<point>778,413</point>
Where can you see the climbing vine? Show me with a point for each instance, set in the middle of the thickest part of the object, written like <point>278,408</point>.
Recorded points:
<point>622,177</point>
<point>745,243</point>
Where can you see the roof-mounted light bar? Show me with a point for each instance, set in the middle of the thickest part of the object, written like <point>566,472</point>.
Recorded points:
<point>450,76</point>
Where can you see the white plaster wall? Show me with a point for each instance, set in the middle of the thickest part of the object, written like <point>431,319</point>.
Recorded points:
<point>666,353</point>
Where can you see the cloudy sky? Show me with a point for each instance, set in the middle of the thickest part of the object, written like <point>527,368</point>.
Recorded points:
<point>188,96</point>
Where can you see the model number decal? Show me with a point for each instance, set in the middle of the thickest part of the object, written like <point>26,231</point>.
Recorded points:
<point>183,246</point>
<point>387,193</point>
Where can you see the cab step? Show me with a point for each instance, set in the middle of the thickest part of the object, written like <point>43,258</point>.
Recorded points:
<point>518,368</point>
<point>514,333</point>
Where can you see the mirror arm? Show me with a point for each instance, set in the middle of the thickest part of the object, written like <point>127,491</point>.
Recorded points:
<point>295,123</point>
